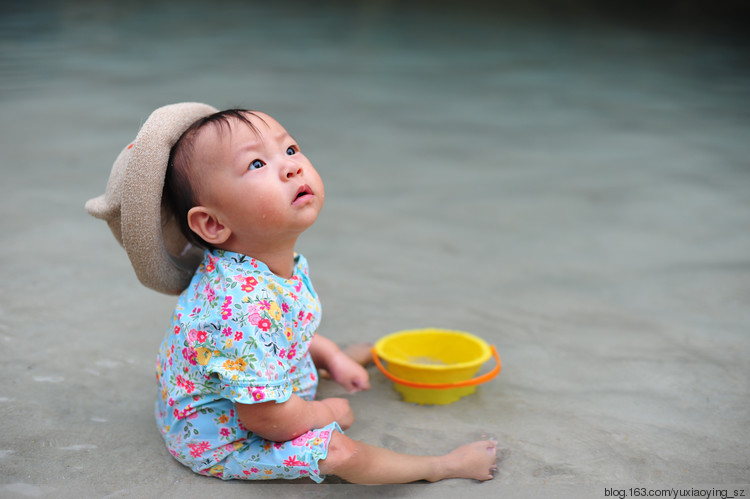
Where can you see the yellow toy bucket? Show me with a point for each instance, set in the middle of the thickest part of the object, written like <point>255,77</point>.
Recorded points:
<point>434,366</point>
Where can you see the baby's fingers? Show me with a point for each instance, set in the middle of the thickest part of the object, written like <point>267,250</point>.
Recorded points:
<point>356,382</point>
<point>359,384</point>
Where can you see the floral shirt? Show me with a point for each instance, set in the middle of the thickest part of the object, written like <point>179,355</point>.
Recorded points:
<point>239,334</point>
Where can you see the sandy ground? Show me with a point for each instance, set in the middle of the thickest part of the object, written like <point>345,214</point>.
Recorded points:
<point>574,190</point>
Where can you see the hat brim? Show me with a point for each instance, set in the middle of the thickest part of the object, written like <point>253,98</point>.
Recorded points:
<point>162,258</point>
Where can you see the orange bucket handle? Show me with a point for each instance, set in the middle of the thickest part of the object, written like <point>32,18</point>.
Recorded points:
<point>441,386</point>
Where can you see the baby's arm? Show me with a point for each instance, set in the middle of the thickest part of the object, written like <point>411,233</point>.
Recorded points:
<point>295,417</point>
<point>342,368</point>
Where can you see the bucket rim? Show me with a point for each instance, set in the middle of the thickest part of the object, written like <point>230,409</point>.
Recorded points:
<point>485,355</point>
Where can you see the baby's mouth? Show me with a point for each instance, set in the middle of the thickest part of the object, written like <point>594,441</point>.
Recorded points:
<point>302,193</point>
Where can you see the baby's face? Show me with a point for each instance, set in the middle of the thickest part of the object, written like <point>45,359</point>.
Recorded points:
<point>259,183</point>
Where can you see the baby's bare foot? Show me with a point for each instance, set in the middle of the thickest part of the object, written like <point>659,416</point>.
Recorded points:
<point>477,460</point>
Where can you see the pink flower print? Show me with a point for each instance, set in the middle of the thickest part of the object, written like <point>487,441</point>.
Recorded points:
<point>264,324</point>
<point>254,319</point>
<point>293,461</point>
<point>192,335</point>
<point>227,331</point>
<point>301,315</point>
<point>285,307</point>
<point>298,286</point>
<point>226,311</point>
<point>210,293</point>
<point>190,355</point>
<point>196,450</point>
<point>177,330</point>
<point>211,265</point>
<point>301,441</point>
<point>195,312</point>
<point>251,471</point>
<point>264,305</point>
<point>249,284</point>
<point>293,296</point>
<point>224,432</point>
<point>179,381</point>
<point>238,336</point>
<point>256,393</point>
<point>187,412</point>
<point>189,386</point>
<point>292,351</point>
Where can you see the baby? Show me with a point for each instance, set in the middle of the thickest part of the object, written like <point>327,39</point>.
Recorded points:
<point>238,368</point>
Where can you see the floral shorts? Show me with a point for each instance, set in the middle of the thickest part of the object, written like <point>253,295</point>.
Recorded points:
<point>260,459</point>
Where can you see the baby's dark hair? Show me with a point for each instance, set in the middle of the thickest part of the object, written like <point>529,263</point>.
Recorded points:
<point>179,194</point>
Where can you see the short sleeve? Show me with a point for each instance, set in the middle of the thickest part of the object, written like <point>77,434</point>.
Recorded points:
<point>248,331</point>
<point>249,353</point>
<point>243,377</point>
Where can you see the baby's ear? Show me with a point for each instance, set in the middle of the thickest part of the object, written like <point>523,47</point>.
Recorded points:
<point>206,224</point>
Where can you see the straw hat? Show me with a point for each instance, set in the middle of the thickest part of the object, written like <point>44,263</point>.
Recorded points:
<point>132,206</point>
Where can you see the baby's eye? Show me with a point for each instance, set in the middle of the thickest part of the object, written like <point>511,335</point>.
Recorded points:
<point>291,150</point>
<point>256,165</point>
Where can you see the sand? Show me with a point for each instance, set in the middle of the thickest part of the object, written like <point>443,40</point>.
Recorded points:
<point>572,187</point>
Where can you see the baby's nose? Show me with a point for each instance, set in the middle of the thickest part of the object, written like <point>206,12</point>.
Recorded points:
<point>292,170</point>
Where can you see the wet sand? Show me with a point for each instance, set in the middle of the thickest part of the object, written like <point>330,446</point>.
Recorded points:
<point>574,189</point>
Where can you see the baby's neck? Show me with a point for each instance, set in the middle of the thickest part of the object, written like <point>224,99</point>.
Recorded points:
<point>284,267</point>
<point>279,259</point>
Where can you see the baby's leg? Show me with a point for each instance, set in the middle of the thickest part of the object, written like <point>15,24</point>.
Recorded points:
<point>358,462</point>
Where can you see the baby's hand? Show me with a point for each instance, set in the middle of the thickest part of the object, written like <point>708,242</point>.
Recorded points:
<point>342,412</point>
<point>348,373</point>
